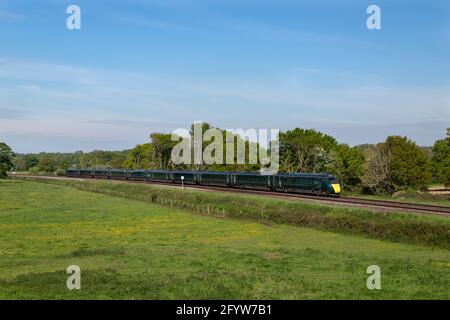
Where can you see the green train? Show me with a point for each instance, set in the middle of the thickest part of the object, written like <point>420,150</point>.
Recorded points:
<point>323,184</point>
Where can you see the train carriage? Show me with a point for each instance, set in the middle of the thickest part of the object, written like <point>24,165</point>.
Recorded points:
<point>214,178</point>
<point>250,180</point>
<point>100,173</point>
<point>159,175</point>
<point>118,174</point>
<point>189,177</point>
<point>72,172</point>
<point>138,175</point>
<point>86,173</point>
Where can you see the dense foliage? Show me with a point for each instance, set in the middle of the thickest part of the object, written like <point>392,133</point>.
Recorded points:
<point>51,162</point>
<point>6,159</point>
<point>397,164</point>
<point>409,167</point>
<point>441,160</point>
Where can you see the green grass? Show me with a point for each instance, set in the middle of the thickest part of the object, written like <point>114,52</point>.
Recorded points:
<point>401,227</point>
<point>129,249</point>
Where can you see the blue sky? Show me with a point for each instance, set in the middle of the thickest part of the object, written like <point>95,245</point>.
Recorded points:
<point>140,66</point>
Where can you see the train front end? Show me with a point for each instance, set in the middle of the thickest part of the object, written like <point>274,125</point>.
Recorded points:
<point>333,185</point>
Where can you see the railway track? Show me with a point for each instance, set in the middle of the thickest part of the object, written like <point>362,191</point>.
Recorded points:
<point>361,202</point>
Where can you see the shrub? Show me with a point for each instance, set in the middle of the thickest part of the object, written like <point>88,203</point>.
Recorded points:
<point>397,164</point>
<point>34,170</point>
<point>60,172</point>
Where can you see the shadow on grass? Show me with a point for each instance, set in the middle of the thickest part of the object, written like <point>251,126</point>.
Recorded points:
<point>110,284</point>
<point>10,181</point>
<point>86,252</point>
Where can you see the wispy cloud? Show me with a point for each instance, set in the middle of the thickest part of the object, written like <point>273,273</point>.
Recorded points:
<point>7,113</point>
<point>282,33</point>
<point>32,70</point>
<point>29,87</point>
<point>5,15</point>
<point>138,123</point>
<point>121,106</point>
<point>151,23</point>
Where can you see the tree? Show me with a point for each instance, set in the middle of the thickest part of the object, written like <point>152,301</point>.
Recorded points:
<point>446,179</point>
<point>100,159</point>
<point>409,165</point>
<point>397,164</point>
<point>140,157</point>
<point>376,178</point>
<point>162,149</point>
<point>441,160</point>
<point>25,162</point>
<point>349,165</point>
<point>198,128</point>
<point>46,164</point>
<point>306,151</point>
<point>6,159</point>
<point>118,159</point>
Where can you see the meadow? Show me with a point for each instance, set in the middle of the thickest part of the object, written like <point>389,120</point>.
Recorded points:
<point>134,249</point>
<point>404,227</point>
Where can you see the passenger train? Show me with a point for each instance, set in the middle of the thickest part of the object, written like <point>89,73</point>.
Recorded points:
<point>323,184</point>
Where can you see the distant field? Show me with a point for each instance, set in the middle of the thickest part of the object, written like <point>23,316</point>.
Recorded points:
<point>130,249</point>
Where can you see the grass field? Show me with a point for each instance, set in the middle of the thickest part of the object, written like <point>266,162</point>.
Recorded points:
<point>403,227</point>
<point>129,249</point>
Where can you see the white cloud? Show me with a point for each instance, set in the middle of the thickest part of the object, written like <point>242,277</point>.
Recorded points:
<point>151,23</point>
<point>39,71</point>
<point>8,113</point>
<point>30,87</point>
<point>122,106</point>
<point>5,15</point>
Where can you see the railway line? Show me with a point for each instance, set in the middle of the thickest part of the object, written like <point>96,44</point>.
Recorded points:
<point>384,205</point>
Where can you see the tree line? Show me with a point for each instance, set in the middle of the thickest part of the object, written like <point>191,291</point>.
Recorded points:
<point>396,164</point>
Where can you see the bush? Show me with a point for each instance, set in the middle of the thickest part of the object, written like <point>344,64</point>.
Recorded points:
<point>34,170</point>
<point>397,164</point>
<point>6,159</point>
<point>441,160</point>
<point>60,172</point>
<point>350,166</point>
<point>447,178</point>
